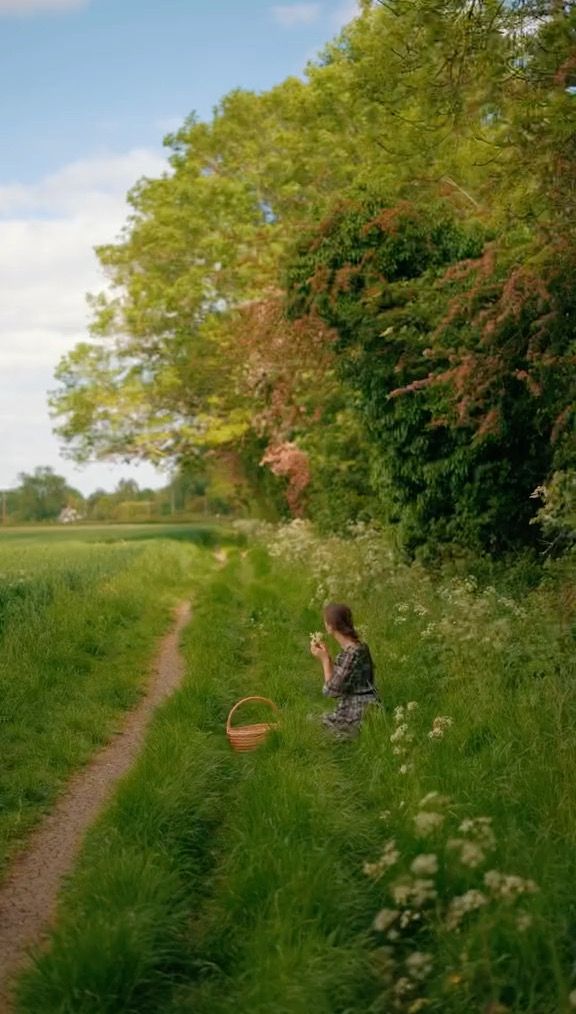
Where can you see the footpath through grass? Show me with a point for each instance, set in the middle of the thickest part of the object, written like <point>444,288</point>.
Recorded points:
<point>428,866</point>
<point>78,625</point>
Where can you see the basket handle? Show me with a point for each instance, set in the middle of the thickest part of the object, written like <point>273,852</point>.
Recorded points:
<point>265,700</point>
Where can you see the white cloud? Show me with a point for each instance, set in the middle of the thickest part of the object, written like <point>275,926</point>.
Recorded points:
<point>47,233</point>
<point>20,7</point>
<point>292,15</point>
<point>78,186</point>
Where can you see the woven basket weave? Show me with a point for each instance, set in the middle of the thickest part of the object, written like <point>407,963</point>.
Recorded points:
<point>248,737</point>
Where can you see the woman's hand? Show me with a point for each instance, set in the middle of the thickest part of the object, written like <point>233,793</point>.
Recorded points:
<point>318,649</point>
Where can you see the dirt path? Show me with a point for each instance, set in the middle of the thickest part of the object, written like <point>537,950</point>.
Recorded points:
<point>28,896</point>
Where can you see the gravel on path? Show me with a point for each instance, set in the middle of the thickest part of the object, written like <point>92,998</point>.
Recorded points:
<point>29,893</point>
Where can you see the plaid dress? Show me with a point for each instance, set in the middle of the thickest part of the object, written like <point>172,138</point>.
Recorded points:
<point>352,682</point>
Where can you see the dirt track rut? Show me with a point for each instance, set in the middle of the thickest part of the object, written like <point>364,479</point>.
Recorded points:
<point>29,894</point>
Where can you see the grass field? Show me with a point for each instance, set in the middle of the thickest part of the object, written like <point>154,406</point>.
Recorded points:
<point>80,612</point>
<point>428,866</point>
<point>200,534</point>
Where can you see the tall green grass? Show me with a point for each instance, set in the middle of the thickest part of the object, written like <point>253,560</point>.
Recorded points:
<point>220,882</point>
<point>208,533</point>
<point>78,624</point>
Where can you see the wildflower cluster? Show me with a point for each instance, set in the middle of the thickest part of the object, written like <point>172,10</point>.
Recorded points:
<point>389,857</point>
<point>403,736</point>
<point>473,615</point>
<point>479,839</point>
<point>316,637</point>
<point>439,727</point>
<point>419,899</point>
<point>341,567</point>
<point>405,609</point>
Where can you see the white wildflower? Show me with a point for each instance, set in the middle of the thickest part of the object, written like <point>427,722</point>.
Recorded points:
<point>425,865</point>
<point>426,823</point>
<point>508,886</point>
<point>372,870</point>
<point>423,890</point>
<point>419,964</point>
<point>399,733</point>
<point>417,892</point>
<point>479,828</point>
<point>412,706</point>
<point>389,857</point>
<point>403,986</point>
<point>400,892</point>
<point>523,921</point>
<point>391,854</point>
<point>572,998</point>
<point>439,726</point>
<point>471,855</point>
<point>399,714</point>
<point>463,904</point>
<point>470,852</point>
<point>405,769</point>
<point>385,815</point>
<point>384,919</point>
<point>492,880</point>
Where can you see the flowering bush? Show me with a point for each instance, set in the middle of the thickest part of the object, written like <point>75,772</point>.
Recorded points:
<point>440,904</point>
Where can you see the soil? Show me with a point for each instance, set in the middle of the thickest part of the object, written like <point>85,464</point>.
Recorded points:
<point>29,893</point>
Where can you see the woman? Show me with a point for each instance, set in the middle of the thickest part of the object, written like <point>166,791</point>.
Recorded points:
<point>350,677</point>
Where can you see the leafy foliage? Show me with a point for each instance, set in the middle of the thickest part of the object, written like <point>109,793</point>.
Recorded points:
<point>462,376</point>
<point>445,128</point>
<point>40,496</point>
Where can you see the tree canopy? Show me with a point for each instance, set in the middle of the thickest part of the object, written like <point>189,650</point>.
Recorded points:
<point>362,279</point>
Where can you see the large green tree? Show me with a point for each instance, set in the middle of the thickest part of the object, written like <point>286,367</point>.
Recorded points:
<point>464,101</point>
<point>161,373</point>
<point>41,495</point>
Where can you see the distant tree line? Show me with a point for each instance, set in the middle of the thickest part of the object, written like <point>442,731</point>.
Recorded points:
<point>44,496</point>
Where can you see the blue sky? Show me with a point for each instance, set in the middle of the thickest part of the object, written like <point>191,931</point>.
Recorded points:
<point>89,88</point>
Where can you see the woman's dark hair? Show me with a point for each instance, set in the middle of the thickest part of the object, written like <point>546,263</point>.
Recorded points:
<point>339,617</point>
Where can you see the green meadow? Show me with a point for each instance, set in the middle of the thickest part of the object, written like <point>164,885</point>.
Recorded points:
<point>428,865</point>
<point>80,614</point>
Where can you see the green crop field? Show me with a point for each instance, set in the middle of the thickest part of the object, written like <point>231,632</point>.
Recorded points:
<point>429,865</point>
<point>202,534</point>
<point>80,612</point>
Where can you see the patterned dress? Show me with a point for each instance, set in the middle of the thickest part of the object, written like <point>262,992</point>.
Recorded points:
<point>352,682</point>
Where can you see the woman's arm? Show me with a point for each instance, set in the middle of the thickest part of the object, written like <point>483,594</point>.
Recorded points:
<point>320,651</point>
<point>335,684</point>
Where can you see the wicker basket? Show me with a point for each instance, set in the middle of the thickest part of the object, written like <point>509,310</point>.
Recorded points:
<point>248,737</point>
